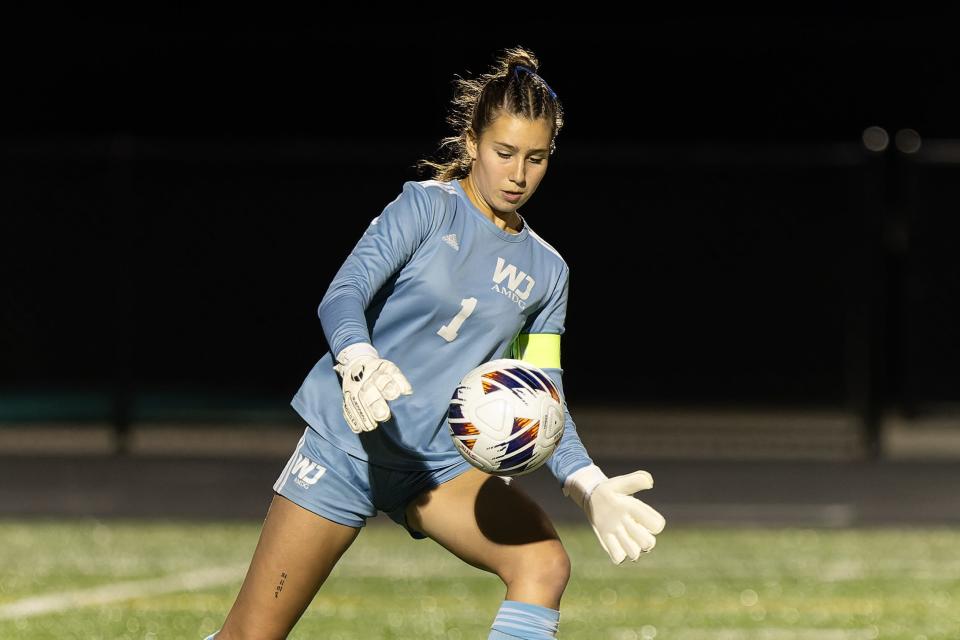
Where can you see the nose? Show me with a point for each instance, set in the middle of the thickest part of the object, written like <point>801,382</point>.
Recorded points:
<point>518,174</point>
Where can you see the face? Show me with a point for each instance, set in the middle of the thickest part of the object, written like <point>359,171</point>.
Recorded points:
<point>511,155</point>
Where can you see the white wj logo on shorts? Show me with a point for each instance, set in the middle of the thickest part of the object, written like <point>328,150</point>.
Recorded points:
<point>303,470</point>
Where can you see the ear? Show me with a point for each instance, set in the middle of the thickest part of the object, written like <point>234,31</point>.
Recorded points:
<point>471,143</point>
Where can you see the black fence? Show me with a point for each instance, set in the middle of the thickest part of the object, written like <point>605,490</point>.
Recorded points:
<point>143,273</point>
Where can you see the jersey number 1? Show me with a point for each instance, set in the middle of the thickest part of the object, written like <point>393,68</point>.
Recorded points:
<point>449,331</point>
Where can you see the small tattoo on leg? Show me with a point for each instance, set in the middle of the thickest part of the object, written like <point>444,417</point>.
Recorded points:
<point>283,578</point>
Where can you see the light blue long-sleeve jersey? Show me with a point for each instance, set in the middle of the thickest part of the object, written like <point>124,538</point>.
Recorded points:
<point>438,289</point>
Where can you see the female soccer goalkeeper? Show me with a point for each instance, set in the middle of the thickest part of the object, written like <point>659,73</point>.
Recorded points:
<point>448,276</point>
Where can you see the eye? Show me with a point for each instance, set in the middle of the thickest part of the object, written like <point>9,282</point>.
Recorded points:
<point>507,155</point>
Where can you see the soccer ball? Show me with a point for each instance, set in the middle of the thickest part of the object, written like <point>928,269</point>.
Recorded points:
<point>506,417</point>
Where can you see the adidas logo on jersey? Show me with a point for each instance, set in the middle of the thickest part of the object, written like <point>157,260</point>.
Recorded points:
<point>307,471</point>
<point>451,240</point>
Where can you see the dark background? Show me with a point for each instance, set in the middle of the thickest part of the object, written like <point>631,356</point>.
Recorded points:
<point>174,201</point>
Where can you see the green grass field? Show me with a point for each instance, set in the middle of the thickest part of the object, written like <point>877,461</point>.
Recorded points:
<point>141,580</point>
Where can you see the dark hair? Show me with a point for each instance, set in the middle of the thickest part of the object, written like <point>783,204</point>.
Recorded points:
<point>513,87</point>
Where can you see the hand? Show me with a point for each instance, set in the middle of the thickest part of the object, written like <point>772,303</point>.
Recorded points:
<point>624,525</point>
<point>368,382</point>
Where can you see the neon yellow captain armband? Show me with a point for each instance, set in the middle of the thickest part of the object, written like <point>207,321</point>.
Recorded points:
<point>539,349</point>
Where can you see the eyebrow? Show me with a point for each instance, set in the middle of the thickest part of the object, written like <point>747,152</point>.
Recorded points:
<point>513,148</point>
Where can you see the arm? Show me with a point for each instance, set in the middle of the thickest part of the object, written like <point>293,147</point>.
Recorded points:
<point>624,525</point>
<point>539,344</point>
<point>387,244</point>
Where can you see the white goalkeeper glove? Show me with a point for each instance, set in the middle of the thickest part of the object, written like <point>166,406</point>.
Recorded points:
<point>368,382</point>
<point>624,525</point>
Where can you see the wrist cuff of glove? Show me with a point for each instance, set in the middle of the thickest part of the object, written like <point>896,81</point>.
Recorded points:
<point>347,354</point>
<point>580,484</point>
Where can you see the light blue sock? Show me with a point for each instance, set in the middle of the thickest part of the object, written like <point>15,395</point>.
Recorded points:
<point>525,621</point>
<point>213,635</point>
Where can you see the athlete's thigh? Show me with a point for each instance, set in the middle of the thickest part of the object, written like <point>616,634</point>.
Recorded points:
<point>296,552</point>
<point>486,522</point>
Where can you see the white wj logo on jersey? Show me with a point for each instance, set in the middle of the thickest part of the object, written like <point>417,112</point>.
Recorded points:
<point>303,468</point>
<point>452,241</point>
<point>514,280</point>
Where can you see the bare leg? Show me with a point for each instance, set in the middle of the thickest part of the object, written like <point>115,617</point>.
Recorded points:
<point>296,552</point>
<point>497,528</point>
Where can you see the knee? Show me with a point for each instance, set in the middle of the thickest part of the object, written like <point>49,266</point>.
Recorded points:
<point>549,564</point>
